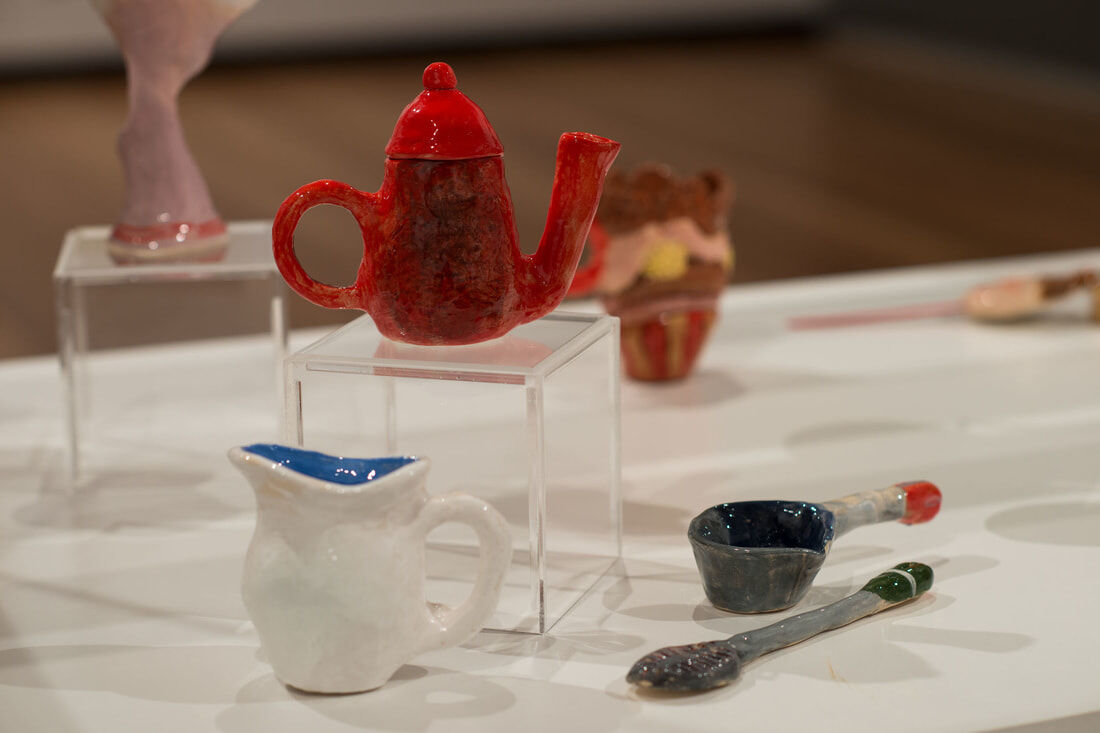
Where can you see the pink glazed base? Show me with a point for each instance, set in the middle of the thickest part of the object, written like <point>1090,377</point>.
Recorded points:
<point>168,242</point>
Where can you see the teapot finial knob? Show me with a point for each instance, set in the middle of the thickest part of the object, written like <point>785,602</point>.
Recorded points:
<point>439,76</point>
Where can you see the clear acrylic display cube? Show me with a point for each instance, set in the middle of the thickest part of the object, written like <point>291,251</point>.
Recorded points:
<point>529,422</point>
<point>103,306</point>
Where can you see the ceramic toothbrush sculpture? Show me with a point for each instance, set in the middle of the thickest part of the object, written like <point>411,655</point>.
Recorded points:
<point>334,575</point>
<point>710,664</point>
<point>441,262</point>
<point>168,215</point>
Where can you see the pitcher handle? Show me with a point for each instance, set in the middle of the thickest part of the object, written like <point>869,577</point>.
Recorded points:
<point>451,626</point>
<point>359,203</point>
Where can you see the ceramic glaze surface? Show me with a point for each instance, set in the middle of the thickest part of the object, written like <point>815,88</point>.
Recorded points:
<point>336,469</point>
<point>760,556</point>
<point>466,132</point>
<point>441,260</point>
<point>706,665</point>
<point>334,575</point>
<point>168,214</point>
<point>788,524</point>
<point>922,501</point>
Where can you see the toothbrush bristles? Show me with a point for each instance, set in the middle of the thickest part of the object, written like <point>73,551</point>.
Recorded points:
<point>688,667</point>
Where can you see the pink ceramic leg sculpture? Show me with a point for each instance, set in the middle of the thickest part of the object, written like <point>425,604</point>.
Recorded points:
<point>168,215</point>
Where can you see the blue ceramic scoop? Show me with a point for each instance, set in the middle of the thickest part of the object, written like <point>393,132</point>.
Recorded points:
<point>760,556</point>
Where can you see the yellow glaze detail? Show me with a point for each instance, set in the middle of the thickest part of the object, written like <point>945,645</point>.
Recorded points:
<point>668,260</point>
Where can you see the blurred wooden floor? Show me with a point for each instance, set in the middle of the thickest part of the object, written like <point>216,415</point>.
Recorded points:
<point>848,153</point>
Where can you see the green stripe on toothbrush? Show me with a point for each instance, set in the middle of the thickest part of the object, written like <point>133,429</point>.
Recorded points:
<point>900,583</point>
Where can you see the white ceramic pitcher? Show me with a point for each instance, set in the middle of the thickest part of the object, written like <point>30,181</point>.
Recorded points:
<point>334,576</point>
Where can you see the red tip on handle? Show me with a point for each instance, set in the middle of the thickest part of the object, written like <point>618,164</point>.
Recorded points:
<point>922,501</point>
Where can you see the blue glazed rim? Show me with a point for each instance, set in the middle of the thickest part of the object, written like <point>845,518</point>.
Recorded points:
<point>812,545</point>
<point>329,468</point>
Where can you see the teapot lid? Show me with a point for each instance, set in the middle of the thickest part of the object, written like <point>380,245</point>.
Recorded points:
<point>442,123</point>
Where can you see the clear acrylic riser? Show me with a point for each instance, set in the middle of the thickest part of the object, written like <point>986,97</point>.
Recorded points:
<point>106,310</point>
<point>529,422</point>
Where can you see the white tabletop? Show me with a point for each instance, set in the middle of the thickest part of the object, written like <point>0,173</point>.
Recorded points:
<point>120,609</point>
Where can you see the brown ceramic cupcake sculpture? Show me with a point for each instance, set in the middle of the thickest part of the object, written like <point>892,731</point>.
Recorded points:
<point>661,255</point>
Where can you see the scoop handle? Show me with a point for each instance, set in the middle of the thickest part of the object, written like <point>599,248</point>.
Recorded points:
<point>911,502</point>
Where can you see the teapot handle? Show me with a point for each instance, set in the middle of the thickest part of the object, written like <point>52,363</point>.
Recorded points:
<point>313,194</point>
<point>451,626</point>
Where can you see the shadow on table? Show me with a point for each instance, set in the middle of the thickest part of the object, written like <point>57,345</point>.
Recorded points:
<point>1083,723</point>
<point>1074,523</point>
<point>852,430</point>
<point>417,698</point>
<point>561,644</point>
<point>18,463</point>
<point>647,518</point>
<point>412,700</point>
<point>702,389</point>
<point>199,595</point>
<point>176,674</point>
<point>597,645</point>
<point>113,501</point>
<point>582,508</point>
<point>35,712</point>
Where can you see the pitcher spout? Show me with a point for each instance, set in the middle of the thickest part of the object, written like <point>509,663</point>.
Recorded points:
<point>544,277</point>
<point>256,472</point>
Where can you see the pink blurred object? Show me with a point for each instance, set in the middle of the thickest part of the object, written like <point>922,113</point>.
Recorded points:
<point>875,315</point>
<point>1001,301</point>
<point>1013,299</point>
<point>168,215</point>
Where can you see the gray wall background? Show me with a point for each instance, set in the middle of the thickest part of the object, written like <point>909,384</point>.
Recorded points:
<point>67,34</point>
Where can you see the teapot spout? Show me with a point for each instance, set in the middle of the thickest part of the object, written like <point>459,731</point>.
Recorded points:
<point>544,277</point>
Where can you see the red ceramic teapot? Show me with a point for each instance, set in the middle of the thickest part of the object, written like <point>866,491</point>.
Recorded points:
<point>441,262</point>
